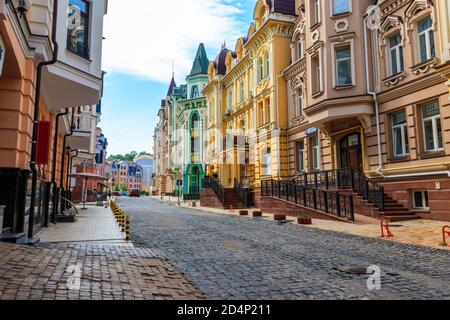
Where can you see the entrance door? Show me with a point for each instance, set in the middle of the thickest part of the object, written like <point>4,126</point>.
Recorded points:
<point>351,152</point>
<point>194,181</point>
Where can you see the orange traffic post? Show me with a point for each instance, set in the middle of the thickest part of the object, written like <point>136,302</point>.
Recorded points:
<point>385,226</point>
<point>445,233</point>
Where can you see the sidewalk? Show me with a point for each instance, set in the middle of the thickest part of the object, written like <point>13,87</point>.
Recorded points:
<point>89,260</point>
<point>94,224</point>
<point>423,232</point>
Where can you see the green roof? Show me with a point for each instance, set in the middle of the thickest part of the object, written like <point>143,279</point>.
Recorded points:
<point>201,62</point>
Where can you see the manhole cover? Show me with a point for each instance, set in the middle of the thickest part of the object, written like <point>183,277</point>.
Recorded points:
<point>353,270</point>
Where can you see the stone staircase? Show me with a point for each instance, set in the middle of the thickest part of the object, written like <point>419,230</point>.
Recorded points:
<point>210,196</point>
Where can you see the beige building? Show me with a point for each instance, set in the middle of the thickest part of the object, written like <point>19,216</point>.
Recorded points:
<point>365,95</point>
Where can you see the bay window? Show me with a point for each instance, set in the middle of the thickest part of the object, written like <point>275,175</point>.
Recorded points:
<point>427,48</point>
<point>432,129</point>
<point>400,134</point>
<point>78,27</point>
<point>344,66</point>
<point>340,7</point>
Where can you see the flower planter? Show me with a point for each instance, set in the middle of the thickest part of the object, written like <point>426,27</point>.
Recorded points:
<point>305,221</point>
<point>257,214</point>
<point>243,213</point>
<point>279,217</point>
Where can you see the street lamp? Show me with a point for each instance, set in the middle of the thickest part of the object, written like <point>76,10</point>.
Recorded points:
<point>23,6</point>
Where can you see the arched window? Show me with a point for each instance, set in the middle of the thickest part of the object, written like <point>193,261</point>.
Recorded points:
<point>260,69</point>
<point>194,121</point>
<point>266,64</point>
<point>299,48</point>
<point>195,93</point>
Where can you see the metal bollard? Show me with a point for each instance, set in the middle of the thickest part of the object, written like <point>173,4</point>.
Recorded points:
<point>122,221</point>
<point>127,229</point>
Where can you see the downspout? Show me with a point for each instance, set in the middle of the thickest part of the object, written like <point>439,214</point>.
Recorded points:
<point>278,128</point>
<point>375,98</point>
<point>63,156</point>
<point>37,97</point>
<point>54,161</point>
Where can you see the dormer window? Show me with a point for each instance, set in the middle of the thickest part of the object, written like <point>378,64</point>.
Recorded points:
<point>78,27</point>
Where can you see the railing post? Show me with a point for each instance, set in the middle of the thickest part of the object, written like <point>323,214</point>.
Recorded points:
<point>315,198</point>
<point>339,179</point>
<point>367,189</point>
<point>382,199</point>
<point>304,196</point>
<point>352,209</point>
<point>338,204</point>
<point>352,179</point>
<point>316,183</point>
<point>272,187</point>
<point>288,189</point>
<point>295,193</point>
<point>305,179</point>
<point>326,181</point>
<point>326,201</point>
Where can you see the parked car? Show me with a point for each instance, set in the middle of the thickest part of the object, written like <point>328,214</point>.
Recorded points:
<point>117,194</point>
<point>135,193</point>
<point>124,194</point>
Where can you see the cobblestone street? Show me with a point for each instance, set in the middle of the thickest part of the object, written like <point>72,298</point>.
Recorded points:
<point>241,258</point>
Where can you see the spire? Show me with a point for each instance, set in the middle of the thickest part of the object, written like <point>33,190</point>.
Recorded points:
<point>172,85</point>
<point>201,62</point>
<point>173,68</point>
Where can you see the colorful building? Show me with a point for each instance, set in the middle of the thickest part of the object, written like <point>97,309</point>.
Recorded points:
<point>126,176</point>
<point>247,138</point>
<point>40,104</point>
<point>147,164</point>
<point>189,115</point>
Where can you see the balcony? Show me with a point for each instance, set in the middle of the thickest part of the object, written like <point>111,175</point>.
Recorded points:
<point>84,127</point>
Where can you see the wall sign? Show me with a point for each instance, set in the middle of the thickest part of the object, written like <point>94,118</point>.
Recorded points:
<point>2,54</point>
<point>311,131</point>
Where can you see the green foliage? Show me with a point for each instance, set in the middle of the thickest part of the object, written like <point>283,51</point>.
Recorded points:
<point>123,188</point>
<point>128,157</point>
<point>116,188</point>
<point>304,215</point>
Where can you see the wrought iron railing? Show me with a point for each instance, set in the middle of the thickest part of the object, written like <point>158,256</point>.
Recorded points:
<point>330,202</point>
<point>345,179</point>
<point>214,183</point>
<point>245,194</point>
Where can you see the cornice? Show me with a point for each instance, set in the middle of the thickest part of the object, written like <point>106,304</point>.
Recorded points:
<point>294,69</point>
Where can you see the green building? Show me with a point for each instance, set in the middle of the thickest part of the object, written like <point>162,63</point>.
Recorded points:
<point>189,117</point>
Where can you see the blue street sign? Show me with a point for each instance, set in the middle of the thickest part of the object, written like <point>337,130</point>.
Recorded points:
<point>311,131</point>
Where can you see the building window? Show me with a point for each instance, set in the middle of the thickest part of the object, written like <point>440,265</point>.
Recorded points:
<point>344,66</point>
<point>432,128</point>
<point>267,162</point>
<point>300,49</point>
<point>261,113</point>
<point>266,64</point>
<point>268,110</point>
<point>396,55</point>
<point>315,152</point>
<point>315,12</point>
<point>317,74</point>
<point>300,102</point>
<point>420,199</point>
<point>241,91</point>
<point>426,39</point>
<point>400,134</point>
<point>260,69</point>
<point>341,6</point>
<point>301,156</point>
<point>195,93</point>
<point>78,27</point>
<point>230,100</point>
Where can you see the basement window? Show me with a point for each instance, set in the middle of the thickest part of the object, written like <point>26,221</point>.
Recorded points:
<point>420,199</point>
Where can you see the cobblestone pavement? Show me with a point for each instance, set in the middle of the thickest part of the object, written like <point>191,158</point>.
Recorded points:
<point>107,272</point>
<point>229,257</point>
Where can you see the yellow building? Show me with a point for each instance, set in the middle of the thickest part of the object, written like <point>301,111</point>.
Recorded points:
<point>247,98</point>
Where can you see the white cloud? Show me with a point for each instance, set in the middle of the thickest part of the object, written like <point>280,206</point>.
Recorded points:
<point>143,36</point>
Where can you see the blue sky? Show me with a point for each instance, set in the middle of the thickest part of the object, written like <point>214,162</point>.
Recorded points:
<point>140,68</point>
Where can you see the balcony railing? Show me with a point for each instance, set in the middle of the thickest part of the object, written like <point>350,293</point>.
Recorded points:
<point>325,201</point>
<point>214,183</point>
<point>345,179</point>
<point>245,194</point>
<point>82,122</point>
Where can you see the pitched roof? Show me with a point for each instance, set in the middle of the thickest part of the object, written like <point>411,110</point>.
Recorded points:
<point>201,62</point>
<point>172,86</point>
<point>219,62</point>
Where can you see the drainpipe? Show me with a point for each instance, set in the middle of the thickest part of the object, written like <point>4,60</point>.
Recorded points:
<point>55,149</point>
<point>375,98</point>
<point>37,97</point>
<point>278,128</point>
<point>63,158</point>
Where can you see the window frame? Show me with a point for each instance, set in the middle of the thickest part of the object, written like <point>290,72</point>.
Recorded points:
<point>404,135</point>
<point>399,55</point>
<point>316,84</point>
<point>335,14</point>
<point>434,121</point>
<point>336,46</point>
<point>300,156</point>
<point>266,60</point>
<point>300,103</point>
<point>426,33</point>
<point>425,200</point>
<point>315,13</point>
<point>87,32</point>
<point>266,166</point>
<point>315,153</point>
